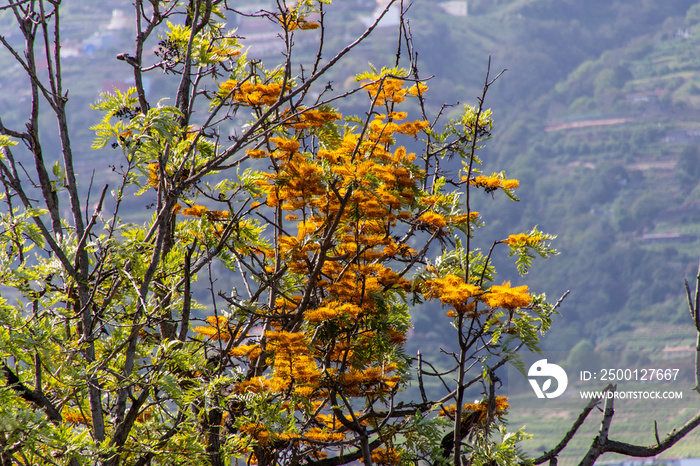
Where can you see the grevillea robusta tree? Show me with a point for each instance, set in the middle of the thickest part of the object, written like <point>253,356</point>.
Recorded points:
<point>259,312</point>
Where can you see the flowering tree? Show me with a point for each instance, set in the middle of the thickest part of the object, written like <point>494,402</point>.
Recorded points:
<point>260,313</point>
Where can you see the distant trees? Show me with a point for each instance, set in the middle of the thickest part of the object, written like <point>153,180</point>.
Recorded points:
<point>259,314</point>
<point>126,343</point>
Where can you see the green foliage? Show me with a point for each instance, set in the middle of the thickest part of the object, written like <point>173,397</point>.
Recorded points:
<point>259,312</point>
<point>505,452</point>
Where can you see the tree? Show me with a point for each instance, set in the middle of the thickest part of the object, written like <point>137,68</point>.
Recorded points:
<point>260,313</point>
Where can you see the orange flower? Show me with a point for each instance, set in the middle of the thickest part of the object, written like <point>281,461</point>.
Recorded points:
<point>75,416</point>
<point>153,175</point>
<point>417,89</point>
<point>521,239</point>
<point>433,219</point>
<point>217,329</point>
<point>194,211</point>
<point>506,297</point>
<point>494,181</point>
<point>451,290</point>
<point>248,351</point>
<point>286,145</point>
<point>386,456</point>
<point>305,25</point>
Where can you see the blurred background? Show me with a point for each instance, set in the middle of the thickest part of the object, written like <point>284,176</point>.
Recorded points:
<point>597,115</point>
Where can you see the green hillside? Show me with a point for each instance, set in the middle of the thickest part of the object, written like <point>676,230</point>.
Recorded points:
<point>598,116</point>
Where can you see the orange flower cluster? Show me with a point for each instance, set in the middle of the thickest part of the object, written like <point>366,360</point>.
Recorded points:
<point>463,218</point>
<point>217,328</point>
<point>293,20</point>
<point>453,291</point>
<point>333,310</point>
<point>493,182</point>
<point>371,381</point>
<point>386,456</point>
<point>521,239</point>
<point>505,297</point>
<point>194,211</point>
<point>311,118</point>
<point>321,435</point>
<point>300,181</point>
<point>433,219</point>
<point>153,175</point>
<point>371,186</point>
<point>390,90</point>
<point>250,352</point>
<point>382,132</point>
<point>481,407</point>
<point>294,367</point>
<point>75,416</point>
<point>381,186</point>
<point>256,431</point>
<point>249,93</point>
<point>338,200</point>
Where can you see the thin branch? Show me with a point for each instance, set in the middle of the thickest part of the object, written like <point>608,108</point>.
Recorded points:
<point>600,443</point>
<point>554,452</point>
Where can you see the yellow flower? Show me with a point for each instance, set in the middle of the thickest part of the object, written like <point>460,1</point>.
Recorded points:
<point>257,431</point>
<point>316,433</point>
<point>386,456</point>
<point>413,128</point>
<point>217,329</point>
<point>501,406</point>
<point>506,297</point>
<point>494,181</point>
<point>433,218</point>
<point>286,145</point>
<point>303,24</point>
<point>194,211</point>
<point>256,153</point>
<point>332,310</point>
<point>462,218</point>
<point>418,88</point>
<point>248,351</point>
<point>74,416</point>
<point>510,184</point>
<point>249,93</point>
<point>521,239</point>
<point>453,291</point>
<point>153,177</point>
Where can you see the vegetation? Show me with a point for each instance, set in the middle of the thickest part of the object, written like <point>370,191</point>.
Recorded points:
<point>309,232</point>
<point>241,290</point>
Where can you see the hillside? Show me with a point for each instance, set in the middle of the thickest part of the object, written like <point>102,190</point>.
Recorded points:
<point>598,116</point>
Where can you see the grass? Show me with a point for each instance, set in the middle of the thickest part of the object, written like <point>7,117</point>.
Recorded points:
<point>547,421</point>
